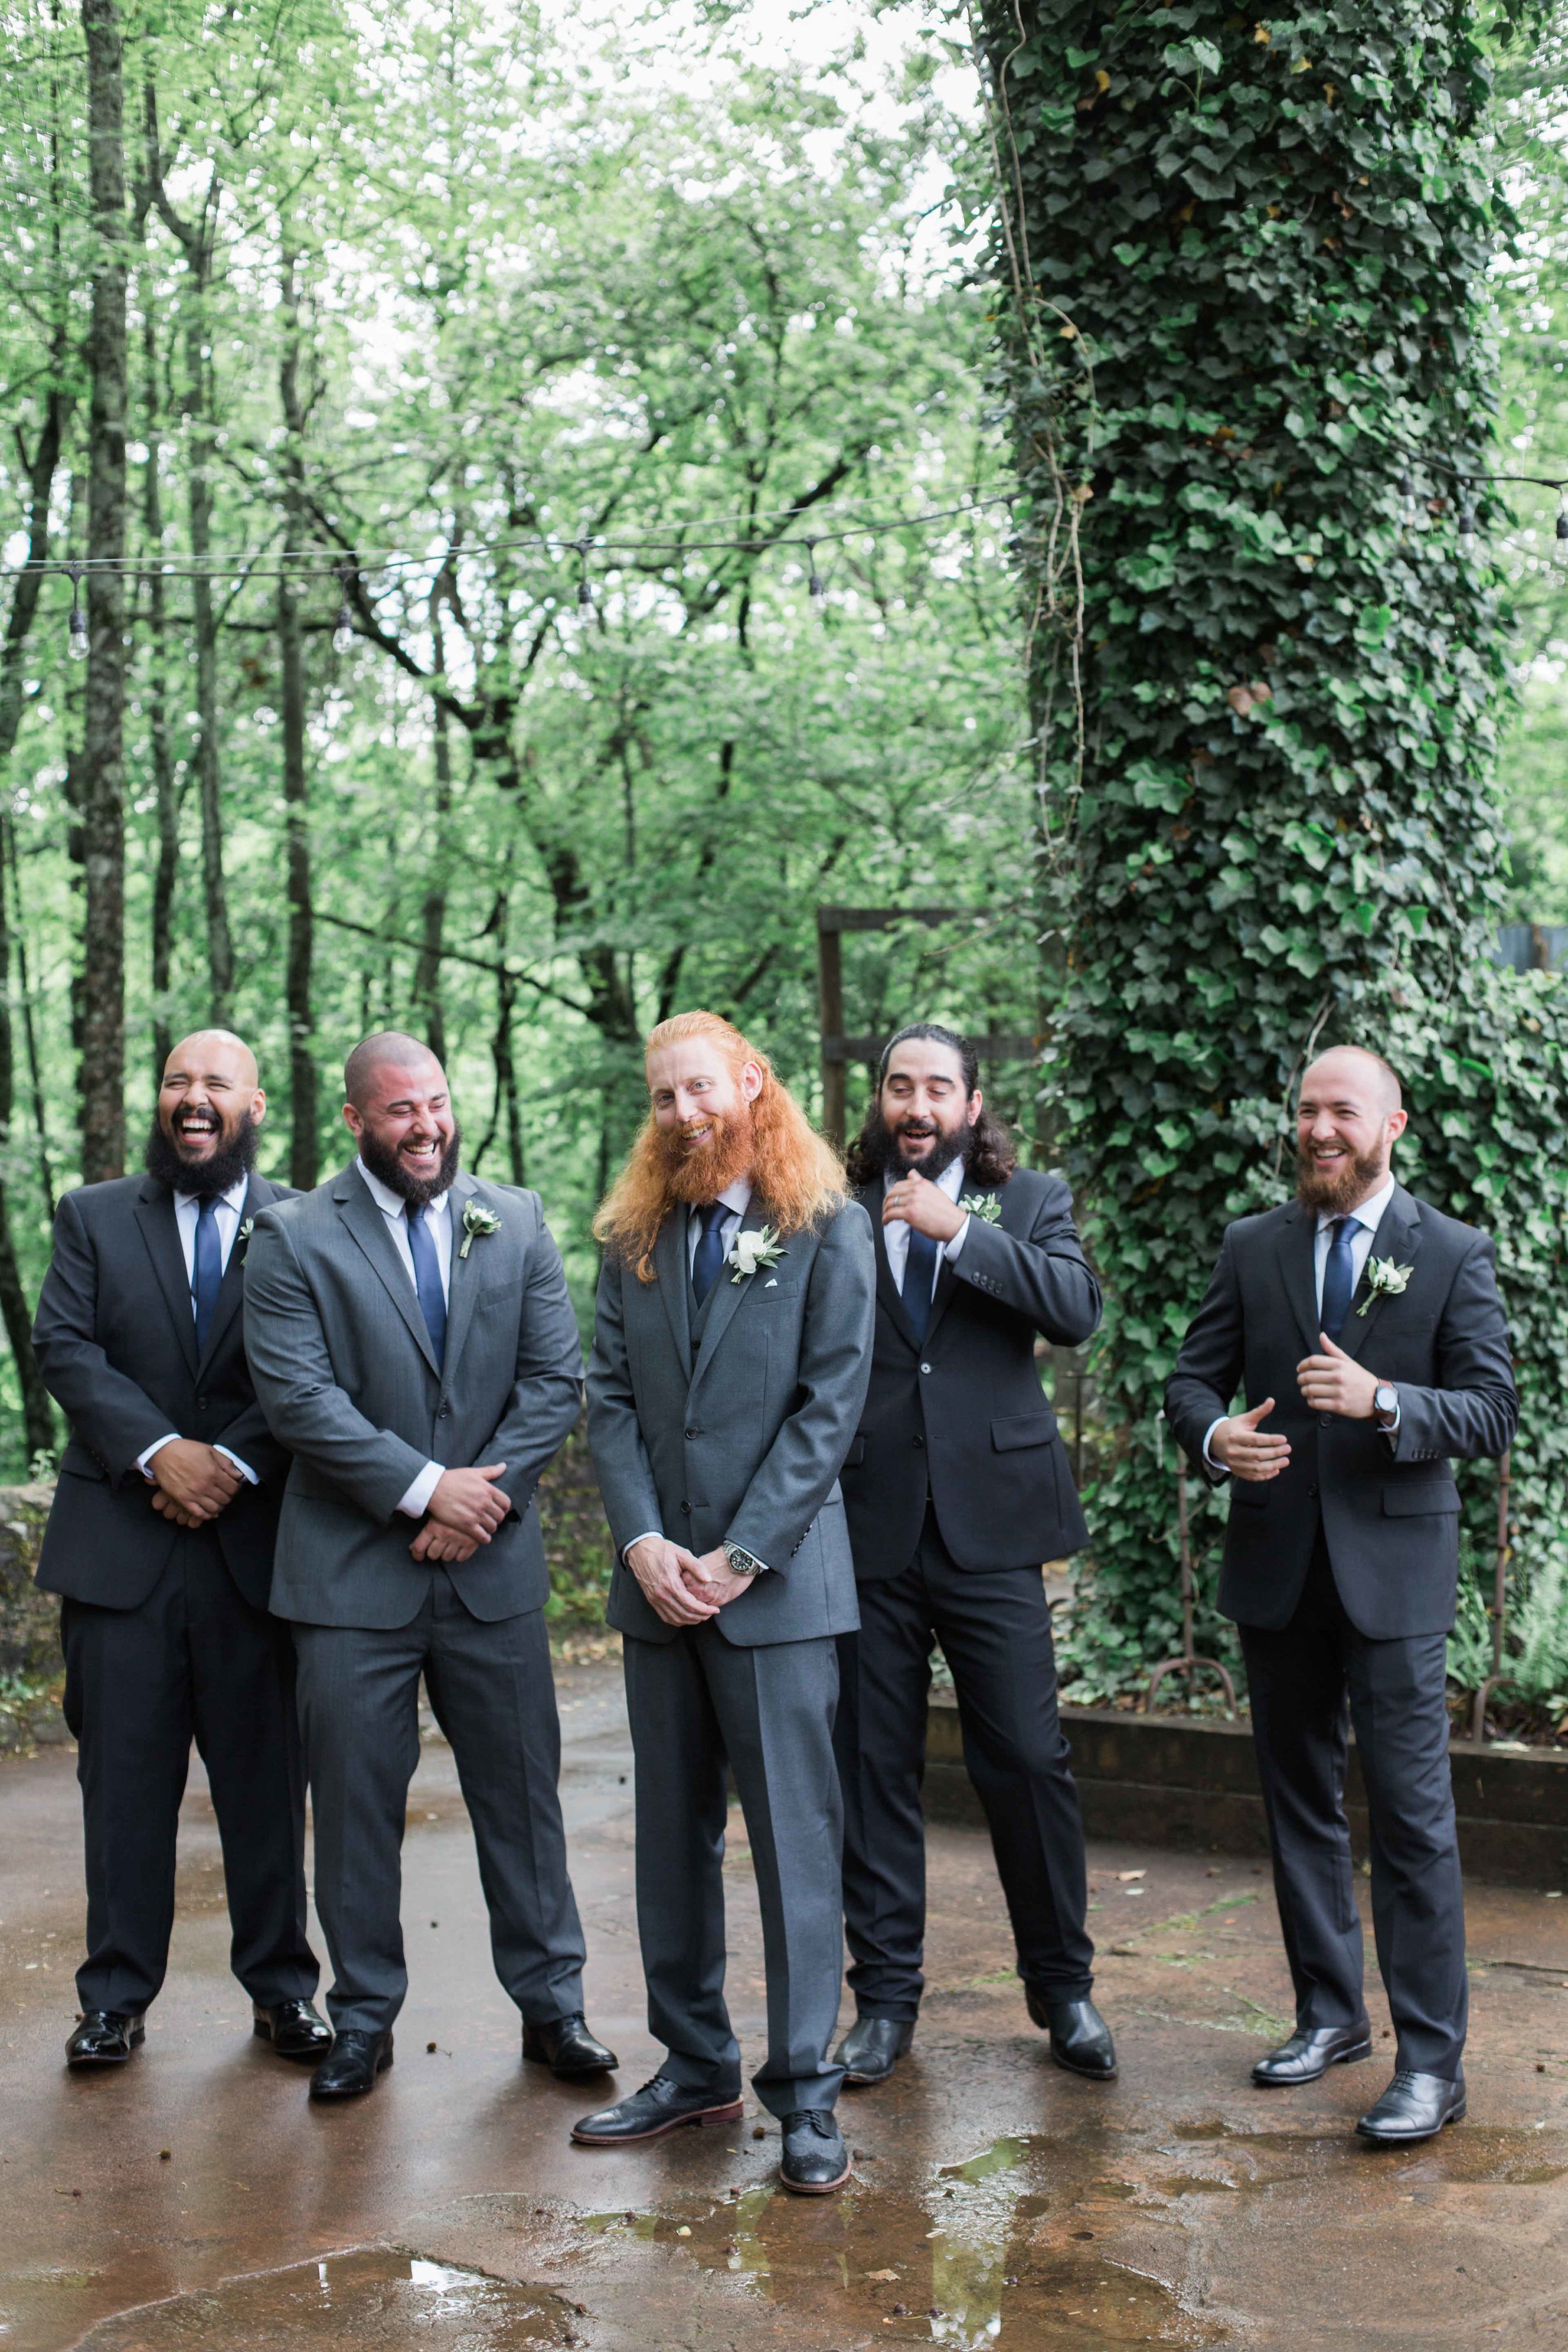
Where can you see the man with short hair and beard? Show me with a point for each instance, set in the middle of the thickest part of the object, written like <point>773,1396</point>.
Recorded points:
<point>958,1490</point>
<point>414,1346</point>
<point>160,1539</point>
<point>1341,1563</point>
<point>730,1362</point>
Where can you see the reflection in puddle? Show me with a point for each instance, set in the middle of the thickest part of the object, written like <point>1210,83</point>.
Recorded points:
<point>376,2297</point>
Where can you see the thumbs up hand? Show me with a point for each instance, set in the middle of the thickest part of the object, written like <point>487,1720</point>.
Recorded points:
<point>1334,1383</point>
<point>1241,1445</point>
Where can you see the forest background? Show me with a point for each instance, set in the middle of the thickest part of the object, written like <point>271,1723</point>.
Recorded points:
<point>643,336</point>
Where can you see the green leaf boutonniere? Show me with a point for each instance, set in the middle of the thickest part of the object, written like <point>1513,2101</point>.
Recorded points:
<point>1383,1280</point>
<point>752,1250</point>
<point>243,1236</point>
<point>982,1204</point>
<point>477,1219</point>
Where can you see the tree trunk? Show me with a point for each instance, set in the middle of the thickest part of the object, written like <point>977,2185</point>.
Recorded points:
<point>29,1031</point>
<point>215,893</point>
<point>37,1414</point>
<point>427,973</point>
<point>101,1080</point>
<point>164,788</point>
<point>304,1149</point>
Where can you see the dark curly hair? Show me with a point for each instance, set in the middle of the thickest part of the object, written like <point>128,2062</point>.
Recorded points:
<point>990,1155</point>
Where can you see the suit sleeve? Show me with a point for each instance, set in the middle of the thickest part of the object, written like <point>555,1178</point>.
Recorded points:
<point>1046,1277</point>
<point>113,1417</point>
<point>614,1434</point>
<point>796,1476</point>
<point>1473,1412</point>
<point>547,1392</point>
<point>307,1412</point>
<point>1209,1366</point>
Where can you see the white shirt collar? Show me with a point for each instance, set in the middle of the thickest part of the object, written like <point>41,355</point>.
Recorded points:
<point>232,1199</point>
<point>1369,1215</point>
<point>951,1181</point>
<point>391,1203</point>
<point>736,1198</point>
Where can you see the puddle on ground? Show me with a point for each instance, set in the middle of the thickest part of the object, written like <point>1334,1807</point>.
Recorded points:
<point>374,2297</point>
<point>1471,2157</point>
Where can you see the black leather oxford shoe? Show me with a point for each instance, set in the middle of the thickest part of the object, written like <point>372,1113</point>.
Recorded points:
<point>1080,2038</point>
<point>658,2108</point>
<point>296,2028</point>
<point>1414,2106</point>
<point>816,2159</point>
<point>1311,2052</point>
<point>350,2066</point>
<point>104,2037</point>
<point>567,2047</point>
<point>873,2047</point>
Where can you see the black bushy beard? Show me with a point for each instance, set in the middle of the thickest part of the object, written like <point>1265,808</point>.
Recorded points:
<point>234,1157</point>
<point>881,1149</point>
<point>1334,1194</point>
<point>417,1190</point>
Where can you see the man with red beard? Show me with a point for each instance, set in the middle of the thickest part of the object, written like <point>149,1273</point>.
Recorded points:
<point>1341,1563</point>
<point>730,1357</point>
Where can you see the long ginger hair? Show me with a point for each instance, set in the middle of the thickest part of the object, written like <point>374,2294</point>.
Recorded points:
<point>796,1176</point>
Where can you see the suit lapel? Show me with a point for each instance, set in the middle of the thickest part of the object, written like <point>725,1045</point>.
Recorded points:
<point>670,1281</point>
<point>257,1194</point>
<point>462,1276</point>
<point>888,1290</point>
<point>368,1226</point>
<point>155,1215</point>
<point>729,1294</point>
<point>1295,1246</point>
<point>1397,1237</point>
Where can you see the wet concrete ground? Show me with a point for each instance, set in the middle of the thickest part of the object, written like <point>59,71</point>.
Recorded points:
<point>194,2198</point>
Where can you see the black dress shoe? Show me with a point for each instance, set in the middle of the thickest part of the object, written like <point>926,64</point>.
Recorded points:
<point>1311,2052</point>
<point>658,2108</point>
<point>814,2157</point>
<point>873,2047</point>
<point>350,2066</point>
<point>296,2028</point>
<point>567,2047</point>
<point>104,2037</point>
<point>1414,2106</point>
<point>1080,2038</point>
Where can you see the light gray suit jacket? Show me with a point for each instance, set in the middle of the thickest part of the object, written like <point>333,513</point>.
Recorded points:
<point>343,1361</point>
<point>747,1443</point>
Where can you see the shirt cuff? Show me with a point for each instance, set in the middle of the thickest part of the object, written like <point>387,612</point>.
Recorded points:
<point>143,1458</point>
<point>656,1532</point>
<point>951,1249</point>
<point>416,1501</point>
<point>1208,1457</point>
<point>244,1468</point>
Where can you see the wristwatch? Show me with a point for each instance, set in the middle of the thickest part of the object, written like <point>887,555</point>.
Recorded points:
<point>1385,1404</point>
<point>742,1562</point>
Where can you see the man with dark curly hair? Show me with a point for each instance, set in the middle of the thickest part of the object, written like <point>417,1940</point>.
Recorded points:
<point>958,1489</point>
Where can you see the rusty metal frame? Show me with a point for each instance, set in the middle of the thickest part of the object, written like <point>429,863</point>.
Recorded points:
<point>1498,1613</point>
<point>1189,1661</point>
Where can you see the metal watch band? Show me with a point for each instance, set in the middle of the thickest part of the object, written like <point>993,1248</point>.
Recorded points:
<point>742,1562</point>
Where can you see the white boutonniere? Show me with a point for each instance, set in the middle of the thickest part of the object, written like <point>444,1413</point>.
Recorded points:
<point>1383,1280</point>
<point>982,1204</point>
<point>751,1250</point>
<point>477,1219</point>
<point>243,1236</point>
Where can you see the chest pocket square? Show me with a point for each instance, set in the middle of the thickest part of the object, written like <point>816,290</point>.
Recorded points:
<point>772,1283</point>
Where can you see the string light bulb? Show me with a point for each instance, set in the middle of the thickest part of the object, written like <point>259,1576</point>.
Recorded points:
<point>1562,526</point>
<point>75,637</point>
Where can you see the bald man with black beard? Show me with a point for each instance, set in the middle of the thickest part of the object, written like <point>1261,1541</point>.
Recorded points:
<point>160,1543</point>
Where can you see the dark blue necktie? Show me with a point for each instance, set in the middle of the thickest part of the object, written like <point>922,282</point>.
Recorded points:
<point>1338,1277</point>
<point>428,1279</point>
<point>206,1276</point>
<point>919,1279</point>
<point>710,1255</point>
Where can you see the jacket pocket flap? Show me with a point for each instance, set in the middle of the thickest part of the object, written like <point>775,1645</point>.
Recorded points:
<point>1020,1429</point>
<point>1422,1495</point>
<point>856,1454</point>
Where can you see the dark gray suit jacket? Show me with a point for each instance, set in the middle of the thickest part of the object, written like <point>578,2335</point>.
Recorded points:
<point>116,1343</point>
<point>1387,1503</point>
<point>746,1445</point>
<point>347,1378</point>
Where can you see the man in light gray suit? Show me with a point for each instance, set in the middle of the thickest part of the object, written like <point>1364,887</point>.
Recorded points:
<point>731,1361</point>
<point>409,1328</point>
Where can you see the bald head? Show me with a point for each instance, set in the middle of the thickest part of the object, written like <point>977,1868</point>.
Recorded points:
<point>1348,1120</point>
<point>212,1048</point>
<point>210,1106</point>
<point>392,1050</point>
<point>400,1115</point>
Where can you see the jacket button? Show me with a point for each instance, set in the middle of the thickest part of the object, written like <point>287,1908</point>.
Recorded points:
<point>1324,1419</point>
<point>442,1411</point>
<point>692,1432</point>
<point>201,1404</point>
<point>925,1367</point>
<point>919,1441</point>
<point>687,1508</point>
<point>1311,1494</point>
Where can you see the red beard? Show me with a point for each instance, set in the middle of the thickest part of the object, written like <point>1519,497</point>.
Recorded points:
<point>698,1173</point>
<point>1355,1177</point>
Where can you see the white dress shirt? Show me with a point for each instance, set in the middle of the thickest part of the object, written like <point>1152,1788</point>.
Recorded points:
<point>229,1208</point>
<point>1364,1233</point>
<point>896,1233</point>
<point>438,1225</point>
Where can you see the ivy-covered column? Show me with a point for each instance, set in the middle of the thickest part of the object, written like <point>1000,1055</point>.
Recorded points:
<point>1243,346</point>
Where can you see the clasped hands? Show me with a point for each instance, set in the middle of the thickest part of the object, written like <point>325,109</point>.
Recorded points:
<point>193,1482</point>
<point>682,1586</point>
<point>1332,1382</point>
<point>465,1509</point>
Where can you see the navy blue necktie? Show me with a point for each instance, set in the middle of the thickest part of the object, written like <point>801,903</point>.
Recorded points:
<point>1338,1277</point>
<point>710,1255</point>
<point>206,1275</point>
<point>428,1279</point>
<point>919,1279</point>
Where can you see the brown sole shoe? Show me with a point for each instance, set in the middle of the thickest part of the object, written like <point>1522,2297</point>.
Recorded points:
<point>705,2117</point>
<point>813,2188</point>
